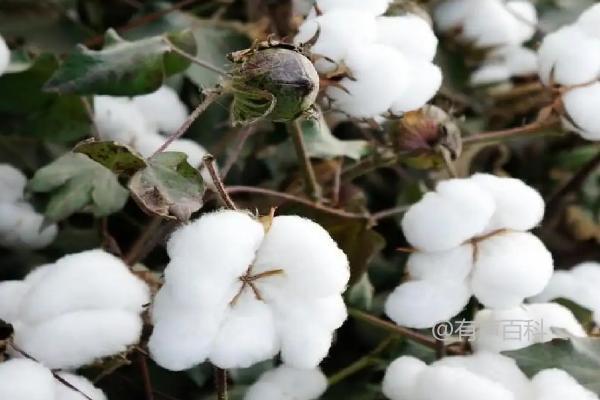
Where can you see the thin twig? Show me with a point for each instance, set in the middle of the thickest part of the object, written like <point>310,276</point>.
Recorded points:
<point>311,186</point>
<point>364,167</point>
<point>195,60</point>
<point>143,365</point>
<point>235,154</point>
<point>150,236</point>
<point>221,383</point>
<point>389,213</point>
<point>512,133</point>
<point>211,96</point>
<point>209,163</point>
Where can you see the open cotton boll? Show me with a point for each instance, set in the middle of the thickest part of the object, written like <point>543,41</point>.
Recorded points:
<point>12,182</point>
<point>455,212</point>
<point>339,31</point>
<point>496,330</point>
<point>4,55</point>
<point>589,21</point>
<point>11,294</point>
<point>23,379</point>
<point>454,264</point>
<point>118,119</point>
<point>304,343</point>
<point>379,75</point>
<point>458,384</point>
<point>519,60</point>
<point>410,34</point>
<point>556,384</point>
<point>21,227</point>
<point>489,73</point>
<point>163,109</point>
<point>426,79</point>
<point>400,379</point>
<point>552,315</point>
<point>63,392</point>
<point>569,57</point>
<point>510,267</point>
<point>518,206</point>
<point>580,106</point>
<point>451,14</point>
<point>286,383</point>
<point>422,304</point>
<point>371,7</point>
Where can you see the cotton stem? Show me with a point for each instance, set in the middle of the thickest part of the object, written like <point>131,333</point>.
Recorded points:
<point>209,163</point>
<point>311,186</point>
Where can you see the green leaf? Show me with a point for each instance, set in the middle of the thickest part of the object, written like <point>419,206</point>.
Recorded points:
<point>168,187</point>
<point>123,68</point>
<point>580,357</point>
<point>78,184</point>
<point>119,158</point>
<point>320,143</point>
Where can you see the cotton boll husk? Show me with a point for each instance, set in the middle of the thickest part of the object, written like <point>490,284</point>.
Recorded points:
<point>409,34</point>
<point>4,55</point>
<point>580,105</point>
<point>569,57</point>
<point>380,75</point>
<point>458,384</point>
<point>552,315</point>
<point>210,254</point>
<point>454,264</point>
<point>426,79</point>
<point>285,383</point>
<point>23,379</point>
<point>400,379</point>
<point>163,109</point>
<point>518,206</point>
<point>589,21</point>
<point>117,118</point>
<point>183,336</point>
<point>556,384</point>
<point>452,13</point>
<point>12,182</point>
<point>495,334</point>
<point>11,295</point>
<point>509,267</point>
<point>89,280</point>
<point>312,263</point>
<point>63,392</point>
<point>490,73</point>
<point>458,210</point>
<point>259,340</point>
<point>304,344</point>
<point>340,30</point>
<point>75,339</point>
<point>372,7</point>
<point>422,304</point>
<point>495,367</point>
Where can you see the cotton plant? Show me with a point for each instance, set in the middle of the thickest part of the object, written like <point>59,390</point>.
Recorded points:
<point>279,282</point>
<point>23,379</point>
<point>470,237</point>
<point>286,383</point>
<point>496,26</point>
<point>81,308</point>
<point>20,225</point>
<point>380,64</point>
<point>579,285</point>
<point>482,375</point>
<point>4,55</point>
<point>570,60</point>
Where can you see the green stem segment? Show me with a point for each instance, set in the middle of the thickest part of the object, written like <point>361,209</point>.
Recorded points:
<point>311,186</point>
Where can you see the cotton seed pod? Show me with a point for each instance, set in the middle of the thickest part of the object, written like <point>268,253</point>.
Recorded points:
<point>274,81</point>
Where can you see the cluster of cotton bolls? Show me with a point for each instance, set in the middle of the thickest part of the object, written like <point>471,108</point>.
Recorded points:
<point>81,308</point>
<point>387,60</point>
<point>285,383</point>
<point>480,376</point>
<point>238,291</point>
<point>4,55</point>
<point>570,58</point>
<point>499,26</point>
<point>20,225</point>
<point>23,379</point>
<point>142,122</point>
<point>470,238</point>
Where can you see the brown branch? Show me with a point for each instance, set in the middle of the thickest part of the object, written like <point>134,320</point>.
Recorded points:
<point>221,383</point>
<point>512,133</point>
<point>209,163</point>
<point>143,365</point>
<point>389,213</point>
<point>151,235</point>
<point>235,154</point>
<point>311,186</point>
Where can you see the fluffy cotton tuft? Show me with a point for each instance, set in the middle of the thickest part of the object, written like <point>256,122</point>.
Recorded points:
<point>400,379</point>
<point>63,392</point>
<point>12,182</point>
<point>556,384</point>
<point>163,109</point>
<point>4,55</point>
<point>373,7</point>
<point>580,111</point>
<point>470,239</point>
<point>286,383</point>
<point>289,299</point>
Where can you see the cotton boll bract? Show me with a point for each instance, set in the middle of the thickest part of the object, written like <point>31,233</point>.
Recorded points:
<point>556,384</point>
<point>163,109</point>
<point>22,379</point>
<point>285,383</point>
<point>12,182</point>
<point>400,379</point>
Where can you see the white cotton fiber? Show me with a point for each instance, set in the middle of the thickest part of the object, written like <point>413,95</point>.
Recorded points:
<point>118,119</point>
<point>373,7</point>
<point>454,264</point>
<point>518,206</point>
<point>11,295</point>
<point>519,60</point>
<point>78,338</point>
<point>503,330</point>
<point>21,227</point>
<point>163,109</point>
<point>458,210</point>
<point>510,267</point>
<point>409,34</point>
<point>458,384</point>
<point>589,21</point>
<point>367,94</point>
<point>12,182</point>
<point>552,315</point>
<point>451,14</point>
<point>63,392</point>
<point>422,304</point>
<point>400,380</point>
<point>22,379</point>
<point>489,73</point>
<point>580,106</point>
<point>556,384</point>
<point>304,343</point>
<point>285,383</point>
<point>4,55</point>
<point>569,57</point>
<point>426,79</point>
<point>339,31</point>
